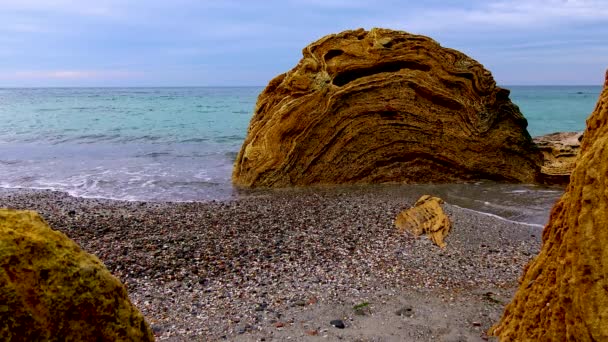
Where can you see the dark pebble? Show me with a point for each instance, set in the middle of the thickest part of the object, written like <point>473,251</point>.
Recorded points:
<point>300,303</point>
<point>405,311</point>
<point>244,328</point>
<point>261,307</point>
<point>337,323</point>
<point>157,329</point>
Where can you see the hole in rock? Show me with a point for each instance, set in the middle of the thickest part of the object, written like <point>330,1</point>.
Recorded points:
<point>332,54</point>
<point>393,42</point>
<point>390,115</point>
<point>352,75</point>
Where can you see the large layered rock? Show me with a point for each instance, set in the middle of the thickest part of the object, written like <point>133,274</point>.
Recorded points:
<point>563,295</point>
<point>384,106</point>
<point>559,153</point>
<point>426,217</point>
<point>51,290</point>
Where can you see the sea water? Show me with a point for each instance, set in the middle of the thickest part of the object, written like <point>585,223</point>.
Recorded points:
<point>179,144</point>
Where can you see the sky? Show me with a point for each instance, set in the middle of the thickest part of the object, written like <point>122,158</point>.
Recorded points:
<point>54,43</point>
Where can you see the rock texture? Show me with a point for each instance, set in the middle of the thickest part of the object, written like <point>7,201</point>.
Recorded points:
<point>559,154</point>
<point>426,217</point>
<point>51,290</point>
<point>384,106</point>
<point>563,295</point>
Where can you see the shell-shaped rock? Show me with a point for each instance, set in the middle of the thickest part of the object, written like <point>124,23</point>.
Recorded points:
<point>563,295</point>
<point>384,106</point>
<point>51,290</point>
<point>426,217</point>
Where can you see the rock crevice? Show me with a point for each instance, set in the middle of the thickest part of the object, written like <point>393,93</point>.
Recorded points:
<point>563,293</point>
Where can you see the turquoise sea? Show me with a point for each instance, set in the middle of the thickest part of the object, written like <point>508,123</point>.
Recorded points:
<point>177,144</point>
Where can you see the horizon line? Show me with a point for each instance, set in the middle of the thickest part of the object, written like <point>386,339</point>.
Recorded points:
<point>253,86</point>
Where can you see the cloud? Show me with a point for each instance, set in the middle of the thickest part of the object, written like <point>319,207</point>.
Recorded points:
<point>68,74</point>
<point>334,4</point>
<point>83,7</point>
<point>492,15</point>
<point>68,41</point>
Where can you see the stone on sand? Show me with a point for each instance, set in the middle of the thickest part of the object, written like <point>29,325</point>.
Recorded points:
<point>51,290</point>
<point>426,217</point>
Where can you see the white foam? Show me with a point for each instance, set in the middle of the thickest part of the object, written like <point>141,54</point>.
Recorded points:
<point>500,217</point>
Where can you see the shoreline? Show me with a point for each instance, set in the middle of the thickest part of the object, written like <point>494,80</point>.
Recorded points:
<point>275,266</point>
<point>459,194</point>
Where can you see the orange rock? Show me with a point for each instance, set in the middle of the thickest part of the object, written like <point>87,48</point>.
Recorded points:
<point>51,290</point>
<point>384,106</point>
<point>426,217</point>
<point>559,153</point>
<point>563,295</point>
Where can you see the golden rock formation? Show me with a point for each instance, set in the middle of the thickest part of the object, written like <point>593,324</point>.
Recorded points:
<point>563,294</point>
<point>426,217</point>
<point>51,290</point>
<point>559,153</point>
<point>384,106</point>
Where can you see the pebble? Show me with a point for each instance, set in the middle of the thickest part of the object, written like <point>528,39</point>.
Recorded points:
<point>338,323</point>
<point>407,311</point>
<point>211,269</point>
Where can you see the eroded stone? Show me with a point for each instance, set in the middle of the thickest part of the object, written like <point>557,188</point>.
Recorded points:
<point>51,290</point>
<point>384,106</point>
<point>563,293</point>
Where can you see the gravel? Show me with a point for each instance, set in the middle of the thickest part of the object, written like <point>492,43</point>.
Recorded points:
<point>257,267</point>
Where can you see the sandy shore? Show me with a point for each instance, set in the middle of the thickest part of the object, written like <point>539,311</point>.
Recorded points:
<point>273,266</point>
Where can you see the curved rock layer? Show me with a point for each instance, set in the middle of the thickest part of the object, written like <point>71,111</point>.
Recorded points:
<point>559,156</point>
<point>384,106</point>
<point>51,290</point>
<point>563,295</point>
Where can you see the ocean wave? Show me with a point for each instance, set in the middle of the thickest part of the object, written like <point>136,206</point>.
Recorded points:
<point>10,162</point>
<point>153,155</point>
<point>194,140</point>
<point>44,110</point>
<point>142,190</point>
<point>84,138</point>
<point>229,138</point>
<point>231,155</point>
<point>500,217</point>
<point>143,138</point>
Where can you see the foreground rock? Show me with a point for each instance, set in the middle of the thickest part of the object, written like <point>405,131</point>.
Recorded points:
<point>559,154</point>
<point>384,106</point>
<point>426,217</point>
<point>50,290</point>
<point>563,294</point>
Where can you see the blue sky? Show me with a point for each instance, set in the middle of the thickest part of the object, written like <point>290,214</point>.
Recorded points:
<point>238,42</point>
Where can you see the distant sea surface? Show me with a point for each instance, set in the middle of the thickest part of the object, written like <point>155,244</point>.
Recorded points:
<point>179,144</point>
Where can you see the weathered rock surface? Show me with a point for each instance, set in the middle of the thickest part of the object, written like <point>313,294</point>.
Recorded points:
<point>51,290</point>
<point>559,154</point>
<point>426,217</point>
<point>563,295</point>
<point>384,106</point>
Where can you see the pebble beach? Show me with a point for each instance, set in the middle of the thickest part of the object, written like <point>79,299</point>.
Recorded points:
<point>294,264</point>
